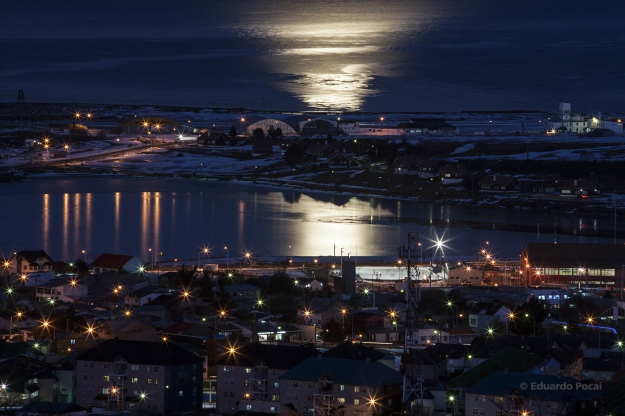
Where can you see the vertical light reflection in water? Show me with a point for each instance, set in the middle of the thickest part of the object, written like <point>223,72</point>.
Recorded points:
<point>77,241</point>
<point>117,220</point>
<point>45,212</point>
<point>88,212</point>
<point>173,217</point>
<point>65,225</point>
<point>145,225</point>
<point>242,243</point>
<point>157,222</point>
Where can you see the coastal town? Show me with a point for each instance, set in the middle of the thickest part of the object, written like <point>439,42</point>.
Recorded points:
<point>560,161</point>
<point>417,333</point>
<point>119,334</point>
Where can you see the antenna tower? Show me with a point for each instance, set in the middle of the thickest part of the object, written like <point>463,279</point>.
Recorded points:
<point>412,403</point>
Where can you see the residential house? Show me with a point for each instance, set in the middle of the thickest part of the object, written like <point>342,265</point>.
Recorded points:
<point>77,341</point>
<point>542,186</point>
<point>503,393</point>
<point>248,377</point>
<point>65,290</point>
<point>513,359</point>
<point>486,316</point>
<point>452,174</point>
<point>144,296</point>
<point>214,138</point>
<point>339,160</point>
<point>27,379</point>
<point>321,150</point>
<point>406,165</point>
<point>244,291</point>
<point>156,311</point>
<point>116,263</point>
<point>603,368</point>
<point>14,323</point>
<point>128,328</point>
<point>321,384</point>
<point>122,375</point>
<point>456,356</point>
<point>428,362</point>
<point>358,351</point>
<point>427,169</point>
<point>65,129</point>
<point>458,335</point>
<point>579,187</point>
<point>309,283</point>
<point>29,261</point>
<point>499,183</point>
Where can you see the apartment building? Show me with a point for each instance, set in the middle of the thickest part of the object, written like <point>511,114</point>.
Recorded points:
<point>356,387</point>
<point>248,377</point>
<point>121,375</point>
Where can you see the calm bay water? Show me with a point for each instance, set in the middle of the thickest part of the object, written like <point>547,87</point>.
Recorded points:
<point>179,218</point>
<point>396,55</point>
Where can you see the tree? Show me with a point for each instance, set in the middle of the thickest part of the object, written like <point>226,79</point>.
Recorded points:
<point>223,300</point>
<point>258,133</point>
<point>278,132</point>
<point>185,276</point>
<point>207,287</point>
<point>284,305</point>
<point>279,283</point>
<point>271,132</point>
<point>81,266</point>
<point>332,332</point>
<point>233,132</point>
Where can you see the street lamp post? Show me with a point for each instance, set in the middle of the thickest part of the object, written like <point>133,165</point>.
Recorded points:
<point>205,251</point>
<point>527,315</point>
<point>227,258</point>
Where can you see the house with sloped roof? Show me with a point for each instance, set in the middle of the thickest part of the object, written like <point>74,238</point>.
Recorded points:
<point>320,383</point>
<point>76,341</point>
<point>27,379</point>
<point>30,261</point>
<point>451,174</point>
<point>358,351</point>
<point>499,183</point>
<point>214,138</point>
<point>65,290</point>
<point>485,316</point>
<point>116,263</point>
<point>506,392</point>
<point>339,160</point>
<point>321,150</point>
<point>128,328</point>
<point>144,296</point>
<point>579,187</point>
<point>244,291</point>
<point>248,377</point>
<point>118,375</point>
<point>427,168</point>
<point>406,165</point>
